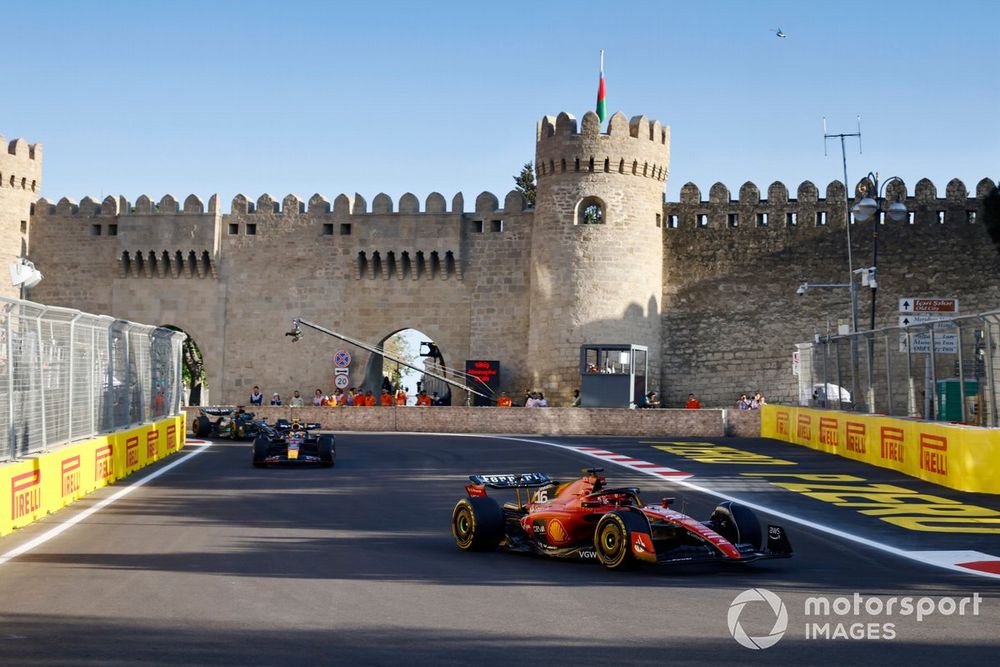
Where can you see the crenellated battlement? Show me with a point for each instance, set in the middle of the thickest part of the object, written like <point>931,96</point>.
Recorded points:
<point>637,146</point>
<point>291,205</point>
<point>20,165</point>
<point>809,209</point>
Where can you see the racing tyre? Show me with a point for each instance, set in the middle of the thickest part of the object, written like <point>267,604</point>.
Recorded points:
<point>611,541</point>
<point>477,524</point>
<point>327,451</point>
<point>201,426</point>
<point>260,447</point>
<point>737,524</point>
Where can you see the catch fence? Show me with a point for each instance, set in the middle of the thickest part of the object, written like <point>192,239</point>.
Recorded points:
<point>944,369</point>
<point>67,375</point>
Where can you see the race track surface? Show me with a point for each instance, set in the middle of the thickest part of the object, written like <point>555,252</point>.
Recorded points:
<point>215,562</point>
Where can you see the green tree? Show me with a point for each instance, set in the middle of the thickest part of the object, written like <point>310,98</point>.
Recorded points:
<point>396,345</point>
<point>525,183</point>
<point>991,215</point>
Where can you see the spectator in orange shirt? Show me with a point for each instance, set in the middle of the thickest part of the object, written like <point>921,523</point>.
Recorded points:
<point>401,397</point>
<point>370,400</point>
<point>386,399</point>
<point>693,403</point>
<point>423,400</point>
<point>504,400</point>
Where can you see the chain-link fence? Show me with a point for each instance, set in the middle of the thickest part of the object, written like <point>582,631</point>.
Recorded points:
<point>67,375</point>
<point>944,369</point>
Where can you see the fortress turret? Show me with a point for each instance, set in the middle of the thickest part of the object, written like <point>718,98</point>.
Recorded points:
<point>597,246</point>
<point>20,181</point>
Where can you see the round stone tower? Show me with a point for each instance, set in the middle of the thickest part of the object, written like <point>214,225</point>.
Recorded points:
<point>597,246</point>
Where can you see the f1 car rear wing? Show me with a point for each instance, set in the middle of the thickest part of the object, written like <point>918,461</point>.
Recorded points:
<point>522,480</point>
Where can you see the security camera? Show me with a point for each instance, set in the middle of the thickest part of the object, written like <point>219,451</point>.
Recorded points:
<point>802,289</point>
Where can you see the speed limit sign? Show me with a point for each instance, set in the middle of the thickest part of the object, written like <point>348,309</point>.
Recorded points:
<point>341,381</point>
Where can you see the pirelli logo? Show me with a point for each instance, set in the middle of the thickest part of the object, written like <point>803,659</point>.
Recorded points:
<point>934,453</point>
<point>855,437</point>
<point>828,434</point>
<point>25,494</point>
<point>70,475</point>
<point>781,423</point>
<point>804,427</point>
<point>891,440</point>
<point>152,440</point>
<point>104,462</point>
<point>132,452</point>
<point>171,436</point>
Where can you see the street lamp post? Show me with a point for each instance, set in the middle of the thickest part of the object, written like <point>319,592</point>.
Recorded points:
<point>868,207</point>
<point>863,210</point>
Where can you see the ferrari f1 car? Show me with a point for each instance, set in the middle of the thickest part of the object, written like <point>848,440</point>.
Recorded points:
<point>586,520</point>
<point>292,443</point>
<point>233,423</point>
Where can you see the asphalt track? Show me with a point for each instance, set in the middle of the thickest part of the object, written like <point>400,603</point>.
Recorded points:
<point>215,562</point>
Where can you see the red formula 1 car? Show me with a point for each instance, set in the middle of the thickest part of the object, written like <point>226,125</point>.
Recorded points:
<point>585,520</point>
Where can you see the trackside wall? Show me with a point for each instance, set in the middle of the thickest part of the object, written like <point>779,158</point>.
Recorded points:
<point>34,487</point>
<point>547,421</point>
<point>960,457</point>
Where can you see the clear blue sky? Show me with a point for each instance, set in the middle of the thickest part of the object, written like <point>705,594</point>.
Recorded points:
<point>301,97</point>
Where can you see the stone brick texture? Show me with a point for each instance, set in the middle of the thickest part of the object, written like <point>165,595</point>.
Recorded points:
<point>714,302</point>
<point>544,421</point>
<point>20,182</point>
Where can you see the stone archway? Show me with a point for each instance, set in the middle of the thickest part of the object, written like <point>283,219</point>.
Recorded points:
<point>193,370</point>
<point>416,347</point>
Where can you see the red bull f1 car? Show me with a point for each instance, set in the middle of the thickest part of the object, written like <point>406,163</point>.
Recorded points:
<point>586,520</point>
<point>293,443</point>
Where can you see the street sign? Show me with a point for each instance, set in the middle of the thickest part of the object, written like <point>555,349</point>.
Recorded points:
<point>341,371</point>
<point>341,381</point>
<point>342,359</point>
<point>796,362</point>
<point>909,319</point>
<point>944,343</point>
<point>943,307</point>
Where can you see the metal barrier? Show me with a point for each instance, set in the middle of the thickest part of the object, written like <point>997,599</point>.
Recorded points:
<point>67,375</point>
<point>944,369</point>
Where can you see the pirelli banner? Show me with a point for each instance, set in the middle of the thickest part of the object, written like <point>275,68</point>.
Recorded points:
<point>34,487</point>
<point>960,457</point>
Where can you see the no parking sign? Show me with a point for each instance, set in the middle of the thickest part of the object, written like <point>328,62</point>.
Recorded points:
<point>342,359</point>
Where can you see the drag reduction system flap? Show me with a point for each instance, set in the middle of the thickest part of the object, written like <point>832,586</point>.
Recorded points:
<point>519,481</point>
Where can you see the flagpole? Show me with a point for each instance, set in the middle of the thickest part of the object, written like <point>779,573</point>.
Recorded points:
<point>602,61</point>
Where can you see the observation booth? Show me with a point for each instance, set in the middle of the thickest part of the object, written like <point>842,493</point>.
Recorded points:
<point>612,375</point>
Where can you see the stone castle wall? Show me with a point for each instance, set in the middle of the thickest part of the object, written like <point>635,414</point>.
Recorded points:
<point>235,281</point>
<point>731,314</point>
<point>20,181</point>
<point>713,294</point>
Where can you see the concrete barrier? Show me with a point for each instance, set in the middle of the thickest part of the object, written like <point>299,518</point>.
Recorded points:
<point>44,483</point>
<point>540,421</point>
<point>960,457</point>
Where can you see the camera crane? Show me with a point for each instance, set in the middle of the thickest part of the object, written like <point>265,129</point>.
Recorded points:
<point>296,335</point>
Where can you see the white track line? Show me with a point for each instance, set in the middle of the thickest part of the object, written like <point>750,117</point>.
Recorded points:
<point>80,516</point>
<point>924,557</point>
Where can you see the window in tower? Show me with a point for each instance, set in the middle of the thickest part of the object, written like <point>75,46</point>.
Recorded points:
<point>590,211</point>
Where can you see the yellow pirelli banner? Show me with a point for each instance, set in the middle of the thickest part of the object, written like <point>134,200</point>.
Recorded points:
<point>960,457</point>
<point>44,483</point>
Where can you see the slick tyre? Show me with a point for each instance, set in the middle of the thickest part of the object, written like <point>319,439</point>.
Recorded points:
<point>612,542</point>
<point>737,524</point>
<point>327,451</point>
<point>260,448</point>
<point>201,426</point>
<point>477,524</point>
